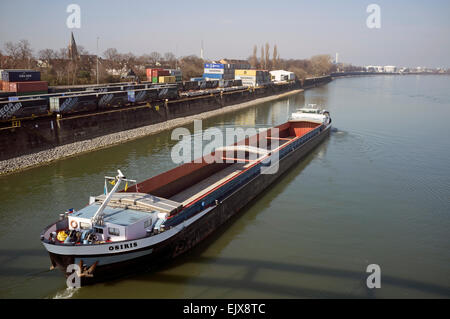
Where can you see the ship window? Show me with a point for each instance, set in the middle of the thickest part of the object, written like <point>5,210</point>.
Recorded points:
<point>85,226</point>
<point>147,223</point>
<point>114,231</point>
<point>98,230</point>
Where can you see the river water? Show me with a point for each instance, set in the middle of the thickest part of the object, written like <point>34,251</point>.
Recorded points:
<point>376,192</point>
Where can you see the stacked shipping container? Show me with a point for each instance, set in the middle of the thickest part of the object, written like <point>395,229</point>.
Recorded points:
<point>15,75</point>
<point>253,77</point>
<point>177,74</point>
<point>156,75</point>
<point>23,82</point>
<point>218,71</point>
<point>223,71</point>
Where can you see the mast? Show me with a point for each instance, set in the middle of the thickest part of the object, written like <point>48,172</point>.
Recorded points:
<point>97,219</point>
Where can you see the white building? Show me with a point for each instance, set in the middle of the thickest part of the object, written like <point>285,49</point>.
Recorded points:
<point>374,68</point>
<point>282,76</point>
<point>390,69</point>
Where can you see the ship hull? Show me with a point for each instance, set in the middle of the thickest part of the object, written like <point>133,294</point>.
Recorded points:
<point>181,239</point>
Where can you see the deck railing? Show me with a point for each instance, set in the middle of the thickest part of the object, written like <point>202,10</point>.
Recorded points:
<point>222,191</point>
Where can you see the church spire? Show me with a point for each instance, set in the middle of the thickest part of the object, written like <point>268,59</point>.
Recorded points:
<point>73,51</point>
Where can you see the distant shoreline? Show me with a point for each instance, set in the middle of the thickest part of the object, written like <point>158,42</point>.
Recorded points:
<point>356,74</point>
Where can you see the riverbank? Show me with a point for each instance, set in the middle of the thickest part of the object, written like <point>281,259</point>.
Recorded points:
<point>339,75</point>
<point>68,150</point>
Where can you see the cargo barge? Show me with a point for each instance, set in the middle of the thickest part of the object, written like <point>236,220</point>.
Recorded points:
<point>166,215</point>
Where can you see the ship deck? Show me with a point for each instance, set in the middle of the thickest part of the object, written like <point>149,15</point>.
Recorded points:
<point>191,193</point>
<point>187,183</point>
<point>238,163</point>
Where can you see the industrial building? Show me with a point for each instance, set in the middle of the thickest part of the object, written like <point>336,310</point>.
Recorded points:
<point>282,76</point>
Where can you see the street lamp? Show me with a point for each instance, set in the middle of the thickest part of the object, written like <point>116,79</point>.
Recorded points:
<point>97,58</point>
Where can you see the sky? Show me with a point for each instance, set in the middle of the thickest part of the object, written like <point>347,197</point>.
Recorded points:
<point>412,33</point>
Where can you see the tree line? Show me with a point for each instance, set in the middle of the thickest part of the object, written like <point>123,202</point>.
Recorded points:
<point>315,66</point>
<point>58,69</point>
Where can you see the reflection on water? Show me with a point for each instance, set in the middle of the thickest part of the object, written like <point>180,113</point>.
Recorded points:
<point>375,192</point>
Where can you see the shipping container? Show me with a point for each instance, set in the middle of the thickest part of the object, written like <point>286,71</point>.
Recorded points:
<point>148,73</point>
<point>145,95</point>
<point>213,76</point>
<point>246,72</point>
<point>226,83</point>
<point>166,79</point>
<point>112,99</point>
<point>213,71</point>
<point>5,86</point>
<point>169,92</point>
<point>190,85</point>
<point>73,103</point>
<point>202,84</point>
<point>214,66</point>
<point>22,109</point>
<point>31,86</point>
<point>160,72</point>
<point>237,82</point>
<point>20,75</point>
<point>212,84</point>
<point>175,72</point>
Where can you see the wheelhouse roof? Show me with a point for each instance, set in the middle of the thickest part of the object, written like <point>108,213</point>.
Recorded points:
<point>118,216</point>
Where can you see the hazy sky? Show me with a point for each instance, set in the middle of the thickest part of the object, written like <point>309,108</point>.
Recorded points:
<point>412,33</point>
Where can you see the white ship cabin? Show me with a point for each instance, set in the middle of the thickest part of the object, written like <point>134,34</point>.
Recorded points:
<point>116,217</point>
<point>119,223</point>
<point>311,114</point>
<point>123,216</point>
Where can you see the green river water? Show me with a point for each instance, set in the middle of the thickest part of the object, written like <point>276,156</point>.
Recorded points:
<point>376,192</point>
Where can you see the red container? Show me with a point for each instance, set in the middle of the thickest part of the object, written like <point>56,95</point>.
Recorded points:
<point>149,74</point>
<point>156,73</point>
<point>1,85</point>
<point>5,86</point>
<point>32,86</point>
<point>160,72</point>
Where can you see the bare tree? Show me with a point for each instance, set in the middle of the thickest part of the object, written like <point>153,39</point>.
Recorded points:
<point>113,59</point>
<point>275,56</point>
<point>12,51</point>
<point>111,54</point>
<point>321,64</point>
<point>155,57</point>
<point>299,72</point>
<point>1,59</point>
<point>261,63</point>
<point>61,66</point>
<point>46,57</point>
<point>170,59</point>
<point>267,60</point>
<point>191,66</point>
<point>254,58</point>
<point>20,54</point>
